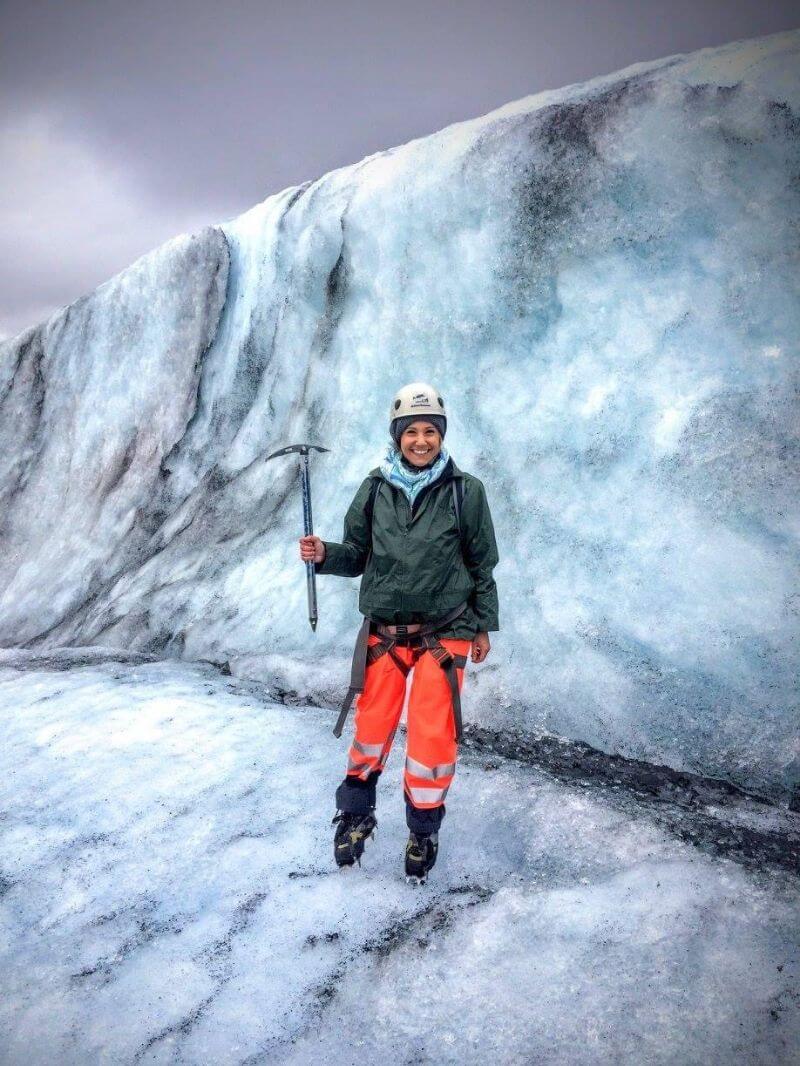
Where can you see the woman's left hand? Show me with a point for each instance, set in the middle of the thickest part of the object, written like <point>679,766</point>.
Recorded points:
<point>480,647</point>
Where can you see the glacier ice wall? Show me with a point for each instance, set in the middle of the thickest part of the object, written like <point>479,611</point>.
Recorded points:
<point>90,405</point>
<point>603,280</point>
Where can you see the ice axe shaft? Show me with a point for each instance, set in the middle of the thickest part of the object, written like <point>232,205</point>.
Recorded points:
<point>308,521</point>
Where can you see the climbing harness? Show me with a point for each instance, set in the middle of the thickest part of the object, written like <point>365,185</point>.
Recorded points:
<point>417,635</point>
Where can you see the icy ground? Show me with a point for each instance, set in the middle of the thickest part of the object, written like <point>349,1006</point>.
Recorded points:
<point>167,895</point>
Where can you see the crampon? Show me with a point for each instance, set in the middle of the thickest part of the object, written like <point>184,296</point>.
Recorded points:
<point>421,852</point>
<point>352,833</point>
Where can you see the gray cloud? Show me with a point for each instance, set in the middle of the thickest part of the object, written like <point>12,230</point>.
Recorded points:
<point>124,124</point>
<point>70,217</point>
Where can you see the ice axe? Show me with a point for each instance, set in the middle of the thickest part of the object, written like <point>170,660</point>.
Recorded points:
<point>308,522</point>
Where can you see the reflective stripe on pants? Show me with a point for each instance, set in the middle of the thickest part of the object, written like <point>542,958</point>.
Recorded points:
<point>427,797</point>
<point>418,769</point>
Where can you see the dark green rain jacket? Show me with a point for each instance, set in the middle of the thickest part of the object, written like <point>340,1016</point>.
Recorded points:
<point>415,569</point>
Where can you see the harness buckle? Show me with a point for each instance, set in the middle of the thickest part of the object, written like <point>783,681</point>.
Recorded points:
<point>445,660</point>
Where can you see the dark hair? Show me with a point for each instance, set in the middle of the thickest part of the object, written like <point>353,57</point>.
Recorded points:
<point>400,425</point>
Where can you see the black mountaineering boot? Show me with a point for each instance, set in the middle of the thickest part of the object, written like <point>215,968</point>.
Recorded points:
<point>421,852</point>
<point>352,833</point>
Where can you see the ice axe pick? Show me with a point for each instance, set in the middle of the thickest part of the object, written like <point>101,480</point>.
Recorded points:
<point>308,522</point>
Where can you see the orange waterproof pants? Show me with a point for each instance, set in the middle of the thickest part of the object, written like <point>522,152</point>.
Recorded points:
<point>431,749</point>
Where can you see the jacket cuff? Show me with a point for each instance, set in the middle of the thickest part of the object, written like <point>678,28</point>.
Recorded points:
<point>336,559</point>
<point>321,568</point>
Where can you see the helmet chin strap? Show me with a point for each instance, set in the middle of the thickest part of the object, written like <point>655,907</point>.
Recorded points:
<point>413,466</point>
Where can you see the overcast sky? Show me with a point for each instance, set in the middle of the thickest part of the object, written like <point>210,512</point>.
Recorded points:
<point>124,124</point>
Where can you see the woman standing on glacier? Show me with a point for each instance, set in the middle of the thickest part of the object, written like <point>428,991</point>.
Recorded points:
<point>420,531</point>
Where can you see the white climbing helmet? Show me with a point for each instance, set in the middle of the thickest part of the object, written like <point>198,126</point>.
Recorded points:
<point>417,400</point>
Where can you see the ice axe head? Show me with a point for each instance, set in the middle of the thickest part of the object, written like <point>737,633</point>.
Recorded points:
<point>301,449</point>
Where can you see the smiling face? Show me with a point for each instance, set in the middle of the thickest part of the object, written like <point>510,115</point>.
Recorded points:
<point>420,443</point>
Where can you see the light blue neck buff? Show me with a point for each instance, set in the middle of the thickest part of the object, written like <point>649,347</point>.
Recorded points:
<point>412,482</point>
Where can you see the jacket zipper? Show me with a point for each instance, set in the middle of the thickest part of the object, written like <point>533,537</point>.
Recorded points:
<point>445,479</point>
